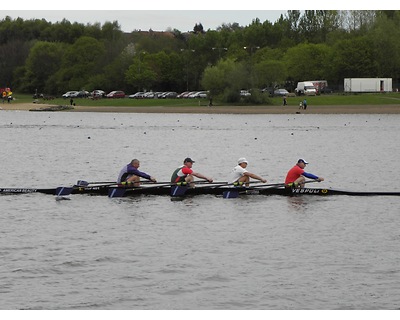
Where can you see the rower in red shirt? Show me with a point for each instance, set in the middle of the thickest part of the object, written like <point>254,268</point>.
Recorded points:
<point>186,174</point>
<point>296,177</point>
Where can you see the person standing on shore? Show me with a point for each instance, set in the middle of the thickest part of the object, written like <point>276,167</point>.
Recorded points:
<point>305,104</point>
<point>296,177</point>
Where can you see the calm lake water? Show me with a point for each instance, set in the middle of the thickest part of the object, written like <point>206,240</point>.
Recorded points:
<point>204,252</point>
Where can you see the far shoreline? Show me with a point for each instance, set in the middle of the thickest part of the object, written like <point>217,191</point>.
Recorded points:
<point>326,109</point>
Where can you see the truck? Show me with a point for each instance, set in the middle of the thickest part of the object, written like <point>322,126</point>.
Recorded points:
<point>306,88</point>
<point>368,85</point>
<point>320,85</point>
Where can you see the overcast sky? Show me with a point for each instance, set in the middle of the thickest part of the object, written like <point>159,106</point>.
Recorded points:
<point>157,20</point>
<point>159,15</point>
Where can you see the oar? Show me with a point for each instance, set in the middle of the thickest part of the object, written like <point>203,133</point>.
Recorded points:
<point>279,184</point>
<point>179,189</point>
<point>64,191</point>
<point>116,192</point>
<point>121,187</point>
<point>206,182</point>
<point>119,192</point>
<point>83,183</point>
<point>231,194</point>
<point>237,184</point>
<point>311,181</point>
<point>269,185</point>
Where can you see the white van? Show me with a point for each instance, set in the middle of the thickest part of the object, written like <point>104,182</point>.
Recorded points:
<point>305,88</point>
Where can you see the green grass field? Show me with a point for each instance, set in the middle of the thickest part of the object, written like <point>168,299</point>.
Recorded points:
<point>345,99</point>
<point>334,99</point>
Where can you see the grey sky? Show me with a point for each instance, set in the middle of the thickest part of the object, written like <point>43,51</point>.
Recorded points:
<point>157,20</point>
<point>159,15</point>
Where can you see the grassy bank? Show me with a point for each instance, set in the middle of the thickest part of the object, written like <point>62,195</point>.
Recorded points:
<point>322,100</point>
<point>346,99</point>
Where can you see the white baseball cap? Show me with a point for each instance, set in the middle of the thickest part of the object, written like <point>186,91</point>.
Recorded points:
<point>241,160</point>
<point>302,160</point>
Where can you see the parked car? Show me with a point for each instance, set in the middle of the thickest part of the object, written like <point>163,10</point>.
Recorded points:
<point>70,94</point>
<point>168,95</point>
<point>268,90</point>
<point>192,95</point>
<point>181,95</point>
<point>149,95</point>
<point>158,94</point>
<point>116,94</point>
<point>245,93</point>
<point>188,94</point>
<point>97,94</point>
<point>137,95</point>
<point>326,90</point>
<point>281,92</point>
<point>199,94</point>
<point>83,94</point>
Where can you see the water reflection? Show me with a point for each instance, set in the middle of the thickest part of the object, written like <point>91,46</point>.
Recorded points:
<point>272,249</point>
<point>298,204</point>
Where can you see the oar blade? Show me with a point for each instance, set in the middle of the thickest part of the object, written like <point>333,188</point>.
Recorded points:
<point>116,192</point>
<point>64,191</point>
<point>178,191</point>
<point>230,194</point>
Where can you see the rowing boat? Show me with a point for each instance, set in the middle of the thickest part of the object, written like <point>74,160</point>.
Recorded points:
<point>227,191</point>
<point>51,191</point>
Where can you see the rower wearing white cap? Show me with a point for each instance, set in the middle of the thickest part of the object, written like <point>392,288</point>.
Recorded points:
<point>296,177</point>
<point>240,175</point>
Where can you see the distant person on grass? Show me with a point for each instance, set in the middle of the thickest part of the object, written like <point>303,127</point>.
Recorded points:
<point>304,104</point>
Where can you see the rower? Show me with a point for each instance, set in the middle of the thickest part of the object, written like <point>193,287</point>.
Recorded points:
<point>131,174</point>
<point>239,174</point>
<point>296,176</point>
<point>185,174</point>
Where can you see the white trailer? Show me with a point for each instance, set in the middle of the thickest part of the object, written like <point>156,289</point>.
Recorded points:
<point>368,85</point>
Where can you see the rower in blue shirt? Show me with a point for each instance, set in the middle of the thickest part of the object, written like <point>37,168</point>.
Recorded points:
<point>131,174</point>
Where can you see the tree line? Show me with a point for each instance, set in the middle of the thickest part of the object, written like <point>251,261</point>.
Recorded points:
<point>51,58</point>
